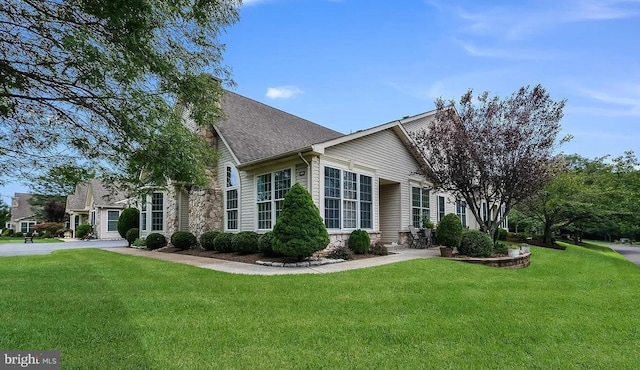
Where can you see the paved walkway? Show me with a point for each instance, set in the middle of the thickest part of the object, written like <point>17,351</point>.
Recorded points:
<point>399,254</point>
<point>28,249</point>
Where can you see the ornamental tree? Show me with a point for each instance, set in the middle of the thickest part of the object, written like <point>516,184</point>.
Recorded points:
<point>487,149</point>
<point>94,82</point>
<point>299,230</point>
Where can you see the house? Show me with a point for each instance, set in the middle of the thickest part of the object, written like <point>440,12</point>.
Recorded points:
<point>96,204</point>
<point>23,214</point>
<point>364,180</point>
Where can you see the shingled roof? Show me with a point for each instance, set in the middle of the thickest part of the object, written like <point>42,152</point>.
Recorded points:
<point>78,200</point>
<point>20,207</point>
<point>103,196</point>
<point>254,130</point>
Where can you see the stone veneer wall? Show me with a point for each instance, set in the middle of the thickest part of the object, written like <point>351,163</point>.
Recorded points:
<point>343,237</point>
<point>523,260</point>
<point>206,204</point>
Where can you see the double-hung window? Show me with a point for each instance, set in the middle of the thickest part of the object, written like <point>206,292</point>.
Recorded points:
<point>231,202</point>
<point>270,191</point>
<point>461,211</point>
<point>419,206</point>
<point>157,212</point>
<point>112,220</point>
<point>441,209</point>
<point>348,199</point>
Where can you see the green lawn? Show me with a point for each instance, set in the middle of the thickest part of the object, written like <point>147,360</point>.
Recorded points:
<point>7,240</point>
<point>570,309</point>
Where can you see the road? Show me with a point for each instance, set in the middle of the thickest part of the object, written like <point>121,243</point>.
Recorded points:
<point>632,253</point>
<point>22,249</point>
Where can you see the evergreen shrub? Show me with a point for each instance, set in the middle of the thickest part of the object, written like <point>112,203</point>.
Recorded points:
<point>222,243</point>
<point>132,235</point>
<point>183,240</point>
<point>155,241</point>
<point>265,244</point>
<point>449,231</point>
<point>475,243</point>
<point>82,231</point>
<point>299,230</point>
<point>359,241</point>
<point>245,242</point>
<point>129,218</point>
<point>206,240</point>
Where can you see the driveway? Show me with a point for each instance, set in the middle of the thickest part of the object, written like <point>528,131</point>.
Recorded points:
<point>27,249</point>
<point>630,252</point>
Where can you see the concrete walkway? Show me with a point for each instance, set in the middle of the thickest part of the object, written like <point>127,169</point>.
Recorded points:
<point>399,254</point>
<point>29,249</point>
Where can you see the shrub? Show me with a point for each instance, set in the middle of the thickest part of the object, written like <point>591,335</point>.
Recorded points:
<point>500,248</point>
<point>132,235</point>
<point>8,232</point>
<point>183,240</point>
<point>265,244</point>
<point>449,231</point>
<point>299,231</point>
<point>155,241</point>
<point>82,231</point>
<point>379,249</point>
<point>359,241</point>
<point>48,229</point>
<point>475,243</point>
<point>129,218</point>
<point>245,242</point>
<point>222,243</point>
<point>206,240</point>
<point>502,234</point>
<point>340,252</point>
<point>140,242</point>
<point>19,234</point>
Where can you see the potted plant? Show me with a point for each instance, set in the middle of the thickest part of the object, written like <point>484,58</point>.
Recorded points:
<point>513,250</point>
<point>449,234</point>
<point>427,224</point>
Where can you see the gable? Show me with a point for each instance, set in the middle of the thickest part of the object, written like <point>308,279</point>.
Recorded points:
<point>255,131</point>
<point>383,151</point>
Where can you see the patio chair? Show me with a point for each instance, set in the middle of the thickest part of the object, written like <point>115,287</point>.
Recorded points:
<point>417,240</point>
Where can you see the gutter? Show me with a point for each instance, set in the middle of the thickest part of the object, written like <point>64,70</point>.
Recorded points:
<point>309,183</point>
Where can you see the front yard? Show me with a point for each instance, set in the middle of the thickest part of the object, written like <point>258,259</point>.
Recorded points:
<point>12,240</point>
<point>570,309</point>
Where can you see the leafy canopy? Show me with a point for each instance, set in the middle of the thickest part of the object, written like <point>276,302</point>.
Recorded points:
<point>97,81</point>
<point>487,148</point>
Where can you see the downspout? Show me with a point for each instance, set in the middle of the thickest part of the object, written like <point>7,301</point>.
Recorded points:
<point>309,182</point>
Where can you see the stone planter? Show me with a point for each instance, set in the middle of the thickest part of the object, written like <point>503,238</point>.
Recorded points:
<point>446,252</point>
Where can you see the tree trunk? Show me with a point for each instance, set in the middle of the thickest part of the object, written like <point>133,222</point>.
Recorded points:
<point>546,235</point>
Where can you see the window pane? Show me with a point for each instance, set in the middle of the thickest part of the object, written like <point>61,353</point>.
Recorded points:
<point>332,213</point>
<point>156,201</point>
<point>415,197</point>
<point>232,220</point>
<point>264,187</point>
<point>232,209</point>
<point>143,221</point>
<point>349,214</point>
<point>264,215</point>
<point>365,216</point>
<point>415,217</point>
<point>331,182</point>
<point>282,183</point>
<point>366,199</point>
<point>232,177</point>
<point>350,185</point>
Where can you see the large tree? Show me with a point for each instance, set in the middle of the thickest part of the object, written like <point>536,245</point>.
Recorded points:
<point>97,80</point>
<point>5,215</point>
<point>487,149</point>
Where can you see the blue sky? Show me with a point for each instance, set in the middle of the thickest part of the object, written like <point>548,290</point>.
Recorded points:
<point>354,64</point>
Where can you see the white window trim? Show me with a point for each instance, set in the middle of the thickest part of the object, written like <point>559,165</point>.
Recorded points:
<point>273,200</point>
<point>423,208</point>
<point>106,221</point>
<point>237,188</point>
<point>462,211</point>
<point>358,172</point>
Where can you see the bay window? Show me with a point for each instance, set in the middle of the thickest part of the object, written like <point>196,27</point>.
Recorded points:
<point>348,199</point>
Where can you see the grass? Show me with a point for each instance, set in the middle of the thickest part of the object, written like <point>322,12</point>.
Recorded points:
<point>570,309</point>
<point>11,240</point>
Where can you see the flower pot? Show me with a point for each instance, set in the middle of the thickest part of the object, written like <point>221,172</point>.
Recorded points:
<point>514,252</point>
<point>446,252</point>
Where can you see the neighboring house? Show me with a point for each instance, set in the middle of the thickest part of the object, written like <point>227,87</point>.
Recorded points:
<point>94,204</point>
<point>23,215</point>
<point>364,180</point>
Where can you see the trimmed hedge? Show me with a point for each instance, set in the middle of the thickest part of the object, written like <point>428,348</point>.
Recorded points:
<point>222,243</point>
<point>206,240</point>
<point>129,218</point>
<point>449,231</point>
<point>379,249</point>
<point>475,243</point>
<point>245,242</point>
<point>132,235</point>
<point>155,241</point>
<point>359,241</point>
<point>183,240</point>
<point>265,244</point>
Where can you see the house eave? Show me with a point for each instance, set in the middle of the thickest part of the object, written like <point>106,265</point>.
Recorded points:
<point>248,166</point>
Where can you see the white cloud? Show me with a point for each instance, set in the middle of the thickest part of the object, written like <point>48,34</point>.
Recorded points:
<point>615,101</point>
<point>473,50</point>
<point>283,92</point>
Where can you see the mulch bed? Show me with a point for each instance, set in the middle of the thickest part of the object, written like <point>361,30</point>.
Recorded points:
<point>246,258</point>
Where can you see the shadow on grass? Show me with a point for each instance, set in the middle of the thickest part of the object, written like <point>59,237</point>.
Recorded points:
<point>68,306</point>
